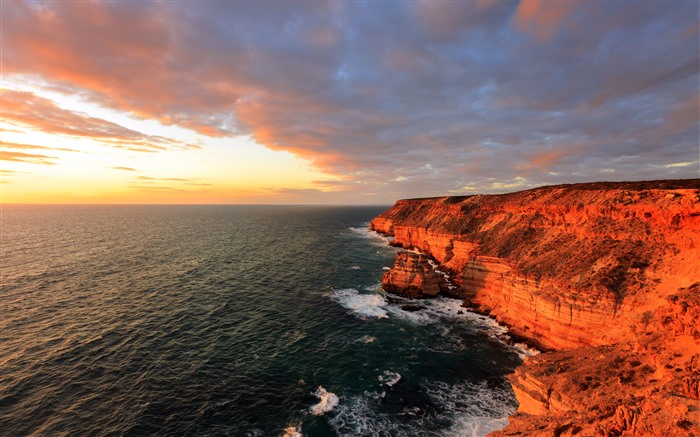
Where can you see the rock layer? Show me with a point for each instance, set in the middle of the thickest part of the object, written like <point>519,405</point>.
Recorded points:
<point>610,269</point>
<point>414,276</point>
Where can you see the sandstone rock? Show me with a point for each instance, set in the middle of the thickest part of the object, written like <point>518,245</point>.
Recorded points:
<point>560,263</point>
<point>606,273</point>
<point>413,276</point>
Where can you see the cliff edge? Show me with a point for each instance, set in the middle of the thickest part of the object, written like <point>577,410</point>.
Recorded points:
<point>604,276</point>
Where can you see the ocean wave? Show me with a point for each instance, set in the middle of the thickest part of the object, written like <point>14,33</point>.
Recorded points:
<point>360,416</point>
<point>376,238</point>
<point>327,402</point>
<point>376,287</point>
<point>292,431</point>
<point>362,305</point>
<point>442,309</point>
<point>389,378</point>
<point>366,339</point>
<point>524,350</point>
<point>476,409</point>
<point>461,409</point>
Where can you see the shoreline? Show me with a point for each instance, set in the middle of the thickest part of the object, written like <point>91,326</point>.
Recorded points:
<point>576,271</point>
<point>514,338</point>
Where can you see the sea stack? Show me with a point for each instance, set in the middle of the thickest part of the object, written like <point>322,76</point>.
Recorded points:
<point>413,276</point>
<point>604,277</point>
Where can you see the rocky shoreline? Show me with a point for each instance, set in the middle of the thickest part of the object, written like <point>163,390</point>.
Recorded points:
<point>604,277</point>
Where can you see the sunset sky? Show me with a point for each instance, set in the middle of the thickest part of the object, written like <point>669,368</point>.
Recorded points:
<point>342,102</point>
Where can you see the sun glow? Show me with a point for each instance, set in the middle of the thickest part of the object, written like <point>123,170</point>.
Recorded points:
<point>153,163</point>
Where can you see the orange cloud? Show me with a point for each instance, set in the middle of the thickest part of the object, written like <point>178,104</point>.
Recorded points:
<point>683,115</point>
<point>28,110</point>
<point>146,178</point>
<point>21,146</point>
<point>121,55</point>
<point>165,184</point>
<point>544,19</point>
<point>29,158</point>
<point>545,160</point>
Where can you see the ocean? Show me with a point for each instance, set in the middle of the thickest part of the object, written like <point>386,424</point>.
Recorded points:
<point>231,321</point>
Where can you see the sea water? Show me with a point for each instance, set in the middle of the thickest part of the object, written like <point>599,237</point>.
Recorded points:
<point>231,320</point>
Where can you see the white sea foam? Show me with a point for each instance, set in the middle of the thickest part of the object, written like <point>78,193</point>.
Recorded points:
<point>445,275</point>
<point>328,401</point>
<point>437,310</point>
<point>376,238</point>
<point>376,287</point>
<point>355,267</point>
<point>366,339</point>
<point>362,305</point>
<point>477,426</point>
<point>389,378</point>
<point>477,409</point>
<point>442,309</point>
<point>360,415</point>
<point>292,431</point>
<point>524,350</point>
<point>466,409</point>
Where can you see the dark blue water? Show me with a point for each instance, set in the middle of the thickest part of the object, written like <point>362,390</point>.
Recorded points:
<point>226,320</point>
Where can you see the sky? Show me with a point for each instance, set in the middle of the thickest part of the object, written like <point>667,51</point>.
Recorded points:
<point>341,102</point>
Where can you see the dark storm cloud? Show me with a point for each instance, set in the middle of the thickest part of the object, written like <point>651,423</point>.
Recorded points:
<point>396,99</point>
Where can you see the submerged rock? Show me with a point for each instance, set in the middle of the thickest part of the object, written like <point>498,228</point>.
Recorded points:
<point>412,308</point>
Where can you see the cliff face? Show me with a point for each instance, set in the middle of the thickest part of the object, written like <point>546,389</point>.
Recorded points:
<point>612,268</point>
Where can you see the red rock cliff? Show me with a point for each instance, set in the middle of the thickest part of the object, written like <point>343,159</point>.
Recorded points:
<point>600,269</point>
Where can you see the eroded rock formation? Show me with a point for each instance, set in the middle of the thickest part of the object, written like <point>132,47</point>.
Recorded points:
<point>606,273</point>
<point>414,276</point>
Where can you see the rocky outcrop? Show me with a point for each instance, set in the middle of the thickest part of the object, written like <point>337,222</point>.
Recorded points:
<point>609,390</point>
<point>609,270</point>
<point>413,276</point>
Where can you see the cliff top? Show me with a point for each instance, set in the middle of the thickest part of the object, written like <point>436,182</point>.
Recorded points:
<point>623,234</point>
<point>661,184</point>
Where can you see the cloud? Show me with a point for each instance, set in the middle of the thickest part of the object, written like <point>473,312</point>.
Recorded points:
<point>295,191</point>
<point>123,168</point>
<point>543,18</point>
<point>156,188</point>
<point>29,158</point>
<point>147,178</point>
<point>29,110</point>
<point>485,92</point>
<point>332,183</point>
<point>22,146</point>
<point>544,160</point>
<point>142,182</point>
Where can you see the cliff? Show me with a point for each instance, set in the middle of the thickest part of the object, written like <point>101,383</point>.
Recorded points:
<point>608,274</point>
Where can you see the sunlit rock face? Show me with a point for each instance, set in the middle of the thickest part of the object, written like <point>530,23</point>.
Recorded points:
<point>609,270</point>
<point>413,276</point>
